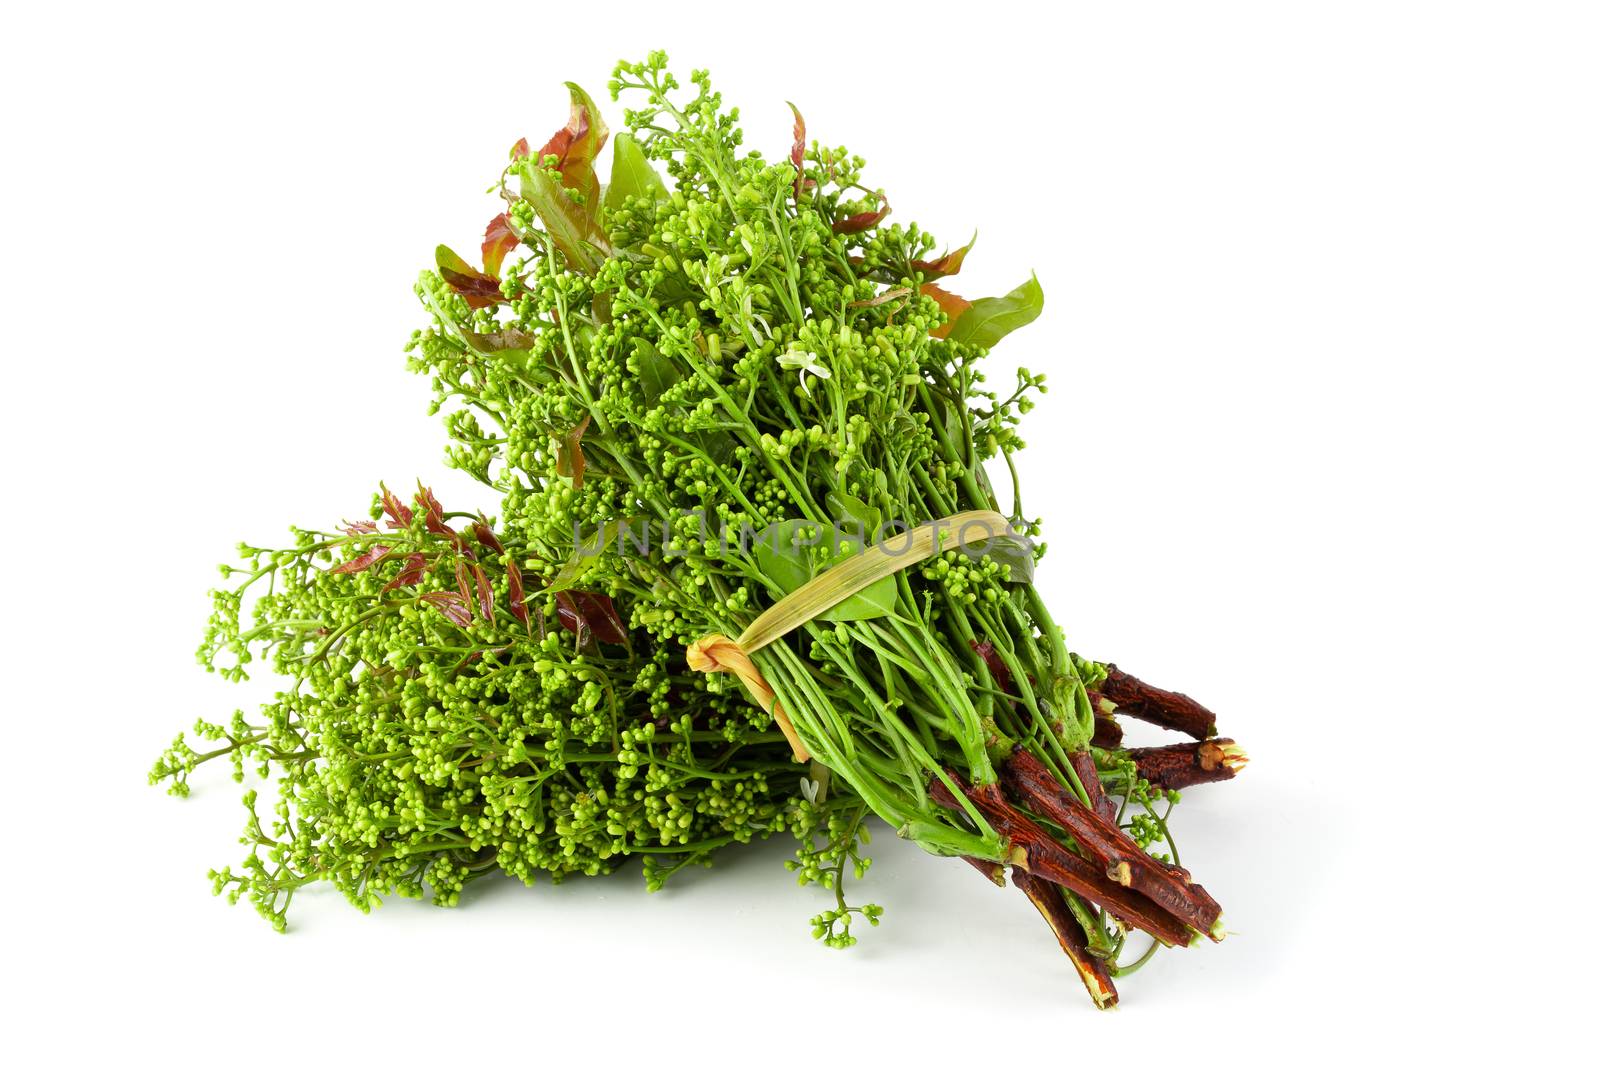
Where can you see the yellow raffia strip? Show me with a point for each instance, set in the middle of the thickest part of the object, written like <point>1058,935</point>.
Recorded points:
<point>717,653</point>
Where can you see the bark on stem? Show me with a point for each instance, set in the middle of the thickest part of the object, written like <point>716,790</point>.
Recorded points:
<point>1083,763</point>
<point>1046,857</point>
<point>1107,731</point>
<point>1174,711</point>
<point>1125,863</point>
<point>1095,973</point>
<point>1193,763</point>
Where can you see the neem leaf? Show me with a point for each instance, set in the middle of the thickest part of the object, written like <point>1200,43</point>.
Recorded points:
<point>509,339</point>
<point>587,614</point>
<point>478,288</point>
<point>411,574</point>
<point>853,511</point>
<point>1014,552</point>
<point>570,225</point>
<point>451,605</point>
<point>873,602</point>
<point>433,513</point>
<point>945,265</point>
<point>587,555</point>
<point>864,220</point>
<point>657,373</point>
<point>486,537</point>
<point>952,305</point>
<point>399,514</point>
<point>577,145</point>
<point>882,298</point>
<point>497,241</point>
<point>516,603</point>
<point>569,454</point>
<point>363,561</point>
<point>631,174</point>
<point>783,555</point>
<point>990,319</point>
<point>797,152</point>
<point>485,593</point>
<point>520,150</point>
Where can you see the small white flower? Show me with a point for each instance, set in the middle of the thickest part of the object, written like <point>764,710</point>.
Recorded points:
<point>752,320</point>
<point>806,363</point>
<point>814,787</point>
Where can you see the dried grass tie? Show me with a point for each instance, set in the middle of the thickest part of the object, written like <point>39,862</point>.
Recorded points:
<point>716,653</point>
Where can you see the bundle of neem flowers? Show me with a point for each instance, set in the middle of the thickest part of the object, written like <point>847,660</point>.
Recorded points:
<point>749,575</point>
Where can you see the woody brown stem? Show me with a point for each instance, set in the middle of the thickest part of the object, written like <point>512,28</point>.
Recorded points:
<point>1088,774</point>
<point>1193,763</point>
<point>1046,857</point>
<point>1125,863</point>
<point>992,871</point>
<point>1164,708</point>
<point>1107,732</point>
<point>1095,973</point>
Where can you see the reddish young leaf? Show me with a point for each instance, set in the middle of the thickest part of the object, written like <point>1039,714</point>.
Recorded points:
<point>363,561</point>
<point>477,288</point>
<point>485,593</point>
<point>797,153</point>
<point>416,566</point>
<point>498,240</point>
<point>590,614</point>
<point>399,514</point>
<point>450,605</point>
<point>569,454</point>
<point>433,514</point>
<point>577,145</point>
<point>945,265</point>
<point>515,602</point>
<point>461,582</point>
<point>952,305</point>
<point>997,666</point>
<point>356,529</point>
<point>486,537</point>
<point>520,150</point>
<point>864,220</point>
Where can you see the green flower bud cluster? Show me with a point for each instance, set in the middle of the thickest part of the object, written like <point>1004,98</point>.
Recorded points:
<point>413,752</point>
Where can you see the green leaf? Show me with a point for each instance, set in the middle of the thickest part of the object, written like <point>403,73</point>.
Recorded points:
<point>864,518</point>
<point>873,602</point>
<point>631,174</point>
<point>990,319</point>
<point>585,556</point>
<point>784,556</point>
<point>509,339</point>
<point>718,445</point>
<point>657,373</point>
<point>569,225</point>
<point>1016,552</point>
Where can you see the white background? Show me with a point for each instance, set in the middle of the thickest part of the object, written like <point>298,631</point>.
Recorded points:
<point>1322,329</point>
